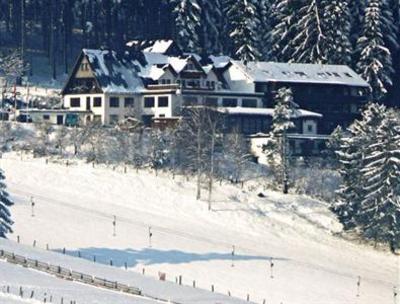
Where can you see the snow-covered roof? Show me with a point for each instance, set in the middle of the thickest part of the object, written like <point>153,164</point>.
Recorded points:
<point>115,74</point>
<point>298,113</point>
<point>220,62</point>
<point>301,73</point>
<point>160,46</point>
<point>157,63</point>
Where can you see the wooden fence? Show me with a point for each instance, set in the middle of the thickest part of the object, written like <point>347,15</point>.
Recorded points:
<point>68,274</point>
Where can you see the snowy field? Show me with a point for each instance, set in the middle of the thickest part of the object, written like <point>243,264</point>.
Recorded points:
<point>51,289</point>
<point>75,207</point>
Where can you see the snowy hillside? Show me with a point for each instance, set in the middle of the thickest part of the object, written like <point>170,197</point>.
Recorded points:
<point>75,206</point>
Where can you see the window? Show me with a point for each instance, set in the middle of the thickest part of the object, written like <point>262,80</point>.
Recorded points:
<point>84,67</point>
<point>149,102</point>
<point>302,74</point>
<point>97,102</point>
<point>189,100</point>
<point>212,102</point>
<point>46,116</point>
<point>310,128</point>
<point>190,67</point>
<point>354,109</point>
<point>161,115</point>
<point>249,103</point>
<point>163,101</point>
<point>114,102</point>
<point>114,119</point>
<point>129,102</point>
<point>165,81</point>
<point>75,102</point>
<point>229,102</point>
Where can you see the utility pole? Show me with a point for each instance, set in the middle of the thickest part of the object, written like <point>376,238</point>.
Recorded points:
<point>32,207</point>
<point>150,236</point>
<point>271,266</point>
<point>114,226</point>
<point>233,256</point>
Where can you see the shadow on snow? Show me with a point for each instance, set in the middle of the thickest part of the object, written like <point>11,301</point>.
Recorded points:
<point>149,256</point>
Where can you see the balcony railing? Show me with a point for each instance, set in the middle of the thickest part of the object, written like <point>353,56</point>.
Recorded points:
<point>183,87</point>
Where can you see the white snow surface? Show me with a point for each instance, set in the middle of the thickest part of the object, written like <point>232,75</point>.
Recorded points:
<point>75,206</point>
<point>45,286</point>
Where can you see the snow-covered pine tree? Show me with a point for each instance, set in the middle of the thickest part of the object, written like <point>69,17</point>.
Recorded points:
<point>211,27</point>
<point>336,23</point>
<point>187,21</point>
<point>243,23</point>
<point>276,149</point>
<point>333,145</point>
<point>310,39</point>
<point>374,47</point>
<point>351,154</point>
<point>263,10</point>
<point>379,215</point>
<point>5,203</point>
<point>357,8</point>
<point>283,18</point>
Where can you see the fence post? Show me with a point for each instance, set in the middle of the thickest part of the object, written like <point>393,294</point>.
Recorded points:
<point>143,271</point>
<point>34,243</point>
<point>126,265</point>
<point>111,262</point>
<point>194,284</point>
<point>64,250</point>
<point>180,280</point>
<point>94,259</point>
<point>212,288</point>
<point>18,239</point>
<point>248,297</point>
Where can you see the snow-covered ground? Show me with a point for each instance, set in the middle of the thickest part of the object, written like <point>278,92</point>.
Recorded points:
<point>51,289</point>
<point>151,289</point>
<point>75,206</point>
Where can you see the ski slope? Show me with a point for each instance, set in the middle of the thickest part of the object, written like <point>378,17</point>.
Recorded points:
<point>152,290</point>
<point>46,287</point>
<point>75,206</point>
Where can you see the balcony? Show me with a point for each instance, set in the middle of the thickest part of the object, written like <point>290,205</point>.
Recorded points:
<point>188,86</point>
